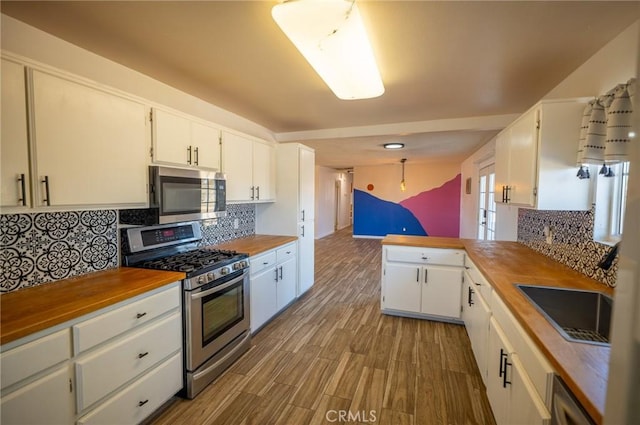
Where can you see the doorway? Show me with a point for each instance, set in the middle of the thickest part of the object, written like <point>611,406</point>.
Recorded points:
<point>487,204</point>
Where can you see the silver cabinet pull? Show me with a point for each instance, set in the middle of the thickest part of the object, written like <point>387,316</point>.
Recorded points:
<point>196,155</point>
<point>189,155</point>
<point>47,199</point>
<point>258,192</point>
<point>23,191</point>
<point>253,193</point>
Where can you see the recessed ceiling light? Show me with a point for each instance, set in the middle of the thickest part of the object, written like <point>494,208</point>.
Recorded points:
<point>393,145</point>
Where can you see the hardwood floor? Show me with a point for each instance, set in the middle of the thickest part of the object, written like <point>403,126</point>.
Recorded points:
<point>333,353</point>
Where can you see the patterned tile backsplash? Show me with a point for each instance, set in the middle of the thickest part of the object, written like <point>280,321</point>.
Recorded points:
<point>44,247</point>
<point>571,240</point>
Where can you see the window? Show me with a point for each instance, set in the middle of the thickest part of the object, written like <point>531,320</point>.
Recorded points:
<point>610,203</point>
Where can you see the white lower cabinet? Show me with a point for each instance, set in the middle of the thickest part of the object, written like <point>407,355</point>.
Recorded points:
<point>476,315</point>
<point>121,377</point>
<point>422,281</point>
<point>273,283</point>
<point>139,400</point>
<point>512,396</point>
<point>48,400</point>
<point>108,368</point>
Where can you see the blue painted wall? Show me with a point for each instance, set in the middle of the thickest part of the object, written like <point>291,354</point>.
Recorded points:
<point>376,217</point>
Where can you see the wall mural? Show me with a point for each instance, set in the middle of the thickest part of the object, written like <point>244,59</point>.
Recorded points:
<point>433,212</point>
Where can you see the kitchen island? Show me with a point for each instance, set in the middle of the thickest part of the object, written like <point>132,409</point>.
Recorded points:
<point>583,367</point>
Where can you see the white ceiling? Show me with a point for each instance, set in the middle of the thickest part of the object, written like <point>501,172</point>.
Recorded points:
<point>454,72</point>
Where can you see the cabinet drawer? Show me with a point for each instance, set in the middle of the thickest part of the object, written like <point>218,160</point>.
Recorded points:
<point>92,332</point>
<point>478,279</point>
<point>113,365</point>
<point>141,398</point>
<point>537,367</point>
<point>28,359</point>
<point>262,262</point>
<point>445,257</point>
<point>286,252</point>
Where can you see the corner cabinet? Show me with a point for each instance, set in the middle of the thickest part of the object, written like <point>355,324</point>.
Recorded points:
<point>184,141</point>
<point>116,365</point>
<point>422,281</point>
<point>249,165</point>
<point>536,159</point>
<point>69,143</point>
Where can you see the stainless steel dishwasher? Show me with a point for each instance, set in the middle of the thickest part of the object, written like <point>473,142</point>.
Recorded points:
<point>565,409</point>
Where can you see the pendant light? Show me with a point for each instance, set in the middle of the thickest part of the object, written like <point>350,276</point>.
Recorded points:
<point>403,186</point>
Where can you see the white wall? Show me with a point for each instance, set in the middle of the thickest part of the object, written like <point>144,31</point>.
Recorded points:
<point>36,45</point>
<point>328,180</point>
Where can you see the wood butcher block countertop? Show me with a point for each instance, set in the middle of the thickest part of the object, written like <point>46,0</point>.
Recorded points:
<point>34,309</point>
<point>583,367</point>
<point>256,244</point>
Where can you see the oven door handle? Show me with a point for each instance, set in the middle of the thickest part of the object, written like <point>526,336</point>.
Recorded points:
<point>195,296</point>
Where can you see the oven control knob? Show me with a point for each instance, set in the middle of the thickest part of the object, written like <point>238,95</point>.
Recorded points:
<point>224,271</point>
<point>237,266</point>
<point>244,263</point>
<point>201,279</point>
<point>210,276</point>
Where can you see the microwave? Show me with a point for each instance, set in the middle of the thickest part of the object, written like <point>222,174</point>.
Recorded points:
<point>178,194</point>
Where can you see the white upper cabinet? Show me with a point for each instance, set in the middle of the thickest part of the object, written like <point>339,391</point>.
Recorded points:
<point>536,159</point>
<point>184,141</point>
<point>249,166</point>
<point>14,154</point>
<point>89,146</point>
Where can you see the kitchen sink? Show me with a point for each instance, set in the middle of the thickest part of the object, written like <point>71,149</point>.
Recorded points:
<point>579,315</point>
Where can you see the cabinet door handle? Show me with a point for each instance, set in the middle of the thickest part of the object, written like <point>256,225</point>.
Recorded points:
<point>189,155</point>
<point>253,193</point>
<point>303,230</point>
<point>143,402</point>
<point>302,215</point>
<point>280,272</point>
<point>196,155</point>
<point>504,376</point>
<point>504,198</point>
<point>258,192</point>
<point>502,356</point>
<point>469,300</point>
<point>47,199</point>
<point>426,275</point>
<point>276,274</point>
<point>139,315</point>
<point>23,191</point>
<point>418,274</point>
<point>141,355</point>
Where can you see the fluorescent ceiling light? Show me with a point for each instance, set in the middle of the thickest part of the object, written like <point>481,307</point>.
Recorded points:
<point>393,145</point>
<point>332,38</point>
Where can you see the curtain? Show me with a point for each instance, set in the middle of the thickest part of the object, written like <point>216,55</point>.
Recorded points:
<point>606,127</point>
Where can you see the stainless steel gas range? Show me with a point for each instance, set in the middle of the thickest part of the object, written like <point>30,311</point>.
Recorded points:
<point>216,295</point>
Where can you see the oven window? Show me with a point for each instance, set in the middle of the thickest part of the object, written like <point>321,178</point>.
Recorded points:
<point>221,311</point>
